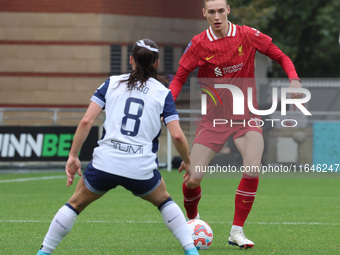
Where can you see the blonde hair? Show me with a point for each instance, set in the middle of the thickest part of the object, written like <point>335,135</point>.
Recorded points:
<point>204,1</point>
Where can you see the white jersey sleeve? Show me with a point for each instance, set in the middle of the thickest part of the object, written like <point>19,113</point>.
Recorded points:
<point>132,126</point>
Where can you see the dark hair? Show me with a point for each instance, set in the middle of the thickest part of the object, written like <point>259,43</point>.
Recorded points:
<point>204,1</point>
<point>145,54</point>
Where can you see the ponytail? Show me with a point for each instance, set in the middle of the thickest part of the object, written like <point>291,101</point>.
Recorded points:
<point>145,54</point>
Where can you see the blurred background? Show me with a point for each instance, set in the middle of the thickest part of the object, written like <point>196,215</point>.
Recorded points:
<point>55,53</point>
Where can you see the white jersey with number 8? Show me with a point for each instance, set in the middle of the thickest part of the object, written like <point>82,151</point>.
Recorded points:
<point>132,126</point>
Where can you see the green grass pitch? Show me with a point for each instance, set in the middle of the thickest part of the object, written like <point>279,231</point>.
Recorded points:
<point>289,216</point>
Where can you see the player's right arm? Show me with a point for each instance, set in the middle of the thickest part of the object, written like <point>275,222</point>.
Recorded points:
<point>83,129</point>
<point>96,106</point>
<point>188,63</point>
<point>178,81</point>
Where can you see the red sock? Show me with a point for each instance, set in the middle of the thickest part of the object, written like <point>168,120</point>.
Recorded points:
<point>244,198</point>
<point>191,199</point>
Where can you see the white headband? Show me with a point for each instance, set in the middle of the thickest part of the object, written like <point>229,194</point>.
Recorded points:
<point>142,44</point>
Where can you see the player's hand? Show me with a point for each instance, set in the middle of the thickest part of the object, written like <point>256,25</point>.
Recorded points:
<point>186,167</point>
<point>295,84</point>
<point>72,166</point>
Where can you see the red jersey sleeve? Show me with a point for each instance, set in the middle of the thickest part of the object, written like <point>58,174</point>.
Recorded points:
<point>276,54</point>
<point>258,40</point>
<point>178,81</point>
<point>190,57</point>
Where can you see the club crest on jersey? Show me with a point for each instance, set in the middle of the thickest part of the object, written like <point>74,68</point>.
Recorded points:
<point>240,50</point>
<point>187,48</point>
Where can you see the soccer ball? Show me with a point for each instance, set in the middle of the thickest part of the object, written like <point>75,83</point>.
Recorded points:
<point>202,233</point>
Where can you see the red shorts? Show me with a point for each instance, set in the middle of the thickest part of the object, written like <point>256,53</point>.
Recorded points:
<point>214,137</point>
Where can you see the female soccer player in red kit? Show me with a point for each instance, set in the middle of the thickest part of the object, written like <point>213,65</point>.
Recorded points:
<point>226,50</point>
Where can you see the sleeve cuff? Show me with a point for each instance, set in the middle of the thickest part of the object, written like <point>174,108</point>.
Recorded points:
<point>98,101</point>
<point>171,118</point>
<point>294,79</point>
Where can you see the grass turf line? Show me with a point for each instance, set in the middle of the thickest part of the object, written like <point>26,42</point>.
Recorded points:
<point>302,202</point>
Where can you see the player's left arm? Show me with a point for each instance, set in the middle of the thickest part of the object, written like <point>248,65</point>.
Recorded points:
<point>171,119</point>
<point>263,43</point>
<point>180,142</point>
<point>286,63</point>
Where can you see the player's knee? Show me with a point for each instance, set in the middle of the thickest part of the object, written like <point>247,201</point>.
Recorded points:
<point>193,183</point>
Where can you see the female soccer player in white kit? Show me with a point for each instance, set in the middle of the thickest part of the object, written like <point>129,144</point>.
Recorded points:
<point>126,155</point>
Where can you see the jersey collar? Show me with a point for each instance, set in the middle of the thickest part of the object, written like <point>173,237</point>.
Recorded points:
<point>213,37</point>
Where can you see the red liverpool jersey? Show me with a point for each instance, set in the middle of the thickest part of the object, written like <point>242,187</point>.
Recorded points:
<point>230,58</point>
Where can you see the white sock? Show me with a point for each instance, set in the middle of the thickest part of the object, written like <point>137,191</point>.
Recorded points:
<point>175,221</point>
<point>61,225</point>
<point>236,228</point>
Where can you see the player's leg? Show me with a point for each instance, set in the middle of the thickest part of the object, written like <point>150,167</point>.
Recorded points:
<point>64,219</point>
<point>200,157</point>
<point>251,147</point>
<point>172,216</point>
